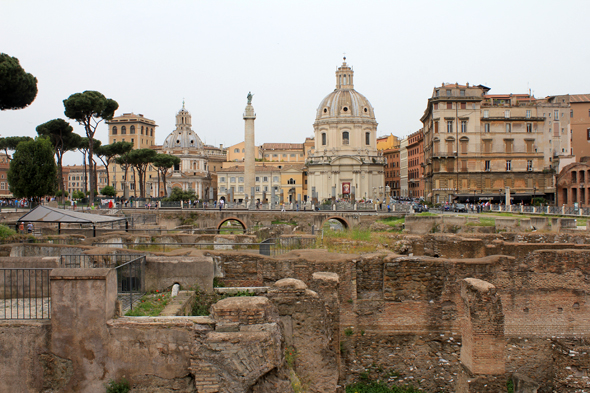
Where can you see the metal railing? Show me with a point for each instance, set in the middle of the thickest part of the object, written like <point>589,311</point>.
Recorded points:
<point>86,261</point>
<point>130,272</point>
<point>25,294</point>
<point>131,281</point>
<point>163,247</point>
<point>278,246</point>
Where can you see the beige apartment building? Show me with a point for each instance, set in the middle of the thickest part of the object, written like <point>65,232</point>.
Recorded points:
<point>580,124</point>
<point>75,180</point>
<point>478,145</point>
<point>286,180</point>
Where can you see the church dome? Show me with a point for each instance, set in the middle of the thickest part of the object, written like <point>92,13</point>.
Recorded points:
<point>344,102</point>
<point>183,137</point>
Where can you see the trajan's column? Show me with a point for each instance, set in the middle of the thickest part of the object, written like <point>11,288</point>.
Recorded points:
<point>249,162</point>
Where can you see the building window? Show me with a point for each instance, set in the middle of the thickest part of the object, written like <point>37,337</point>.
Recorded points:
<point>232,179</point>
<point>257,178</point>
<point>508,127</point>
<point>152,132</point>
<point>265,188</point>
<point>367,138</point>
<point>236,150</point>
<point>436,105</point>
<point>449,126</point>
<point>529,127</point>
<point>241,189</point>
<point>436,127</point>
<point>462,93</point>
<point>556,115</point>
<point>509,147</point>
<point>486,113</point>
<point>571,113</point>
<point>240,179</point>
<point>345,139</point>
<point>507,114</point>
<point>2,186</point>
<point>448,93</point>
<point>265,179</point>
<point>529,165</point>
<point>324,139</point>
<point>222,179</point>
<point>463,126</point>
<point>291,181</point>
<point>123,130</point>
<point>508,165</point>
<point>486,127</point>
<point>437,93</point>
<point>114,130</point>
<point>257,188</point>
<point>588,134</point>
<point>142,131</point>
<point>449,105</point>
<point>132,130</point>
<point>487,165</point>
<point>275,179</point>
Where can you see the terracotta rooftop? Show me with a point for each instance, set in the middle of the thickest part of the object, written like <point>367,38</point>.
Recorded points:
<point>580,98</point>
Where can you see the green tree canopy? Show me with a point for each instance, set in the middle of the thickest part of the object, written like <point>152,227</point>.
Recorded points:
<point>32,170</point>
<point>17,87</point>
<point>11,142</point>
<point>108,191</point>
<point>89,109</point>
<point>140,159</point>
<point>163,162</point>
<point>107,153</point>
<point>61,135</point>
<point>178,195</point>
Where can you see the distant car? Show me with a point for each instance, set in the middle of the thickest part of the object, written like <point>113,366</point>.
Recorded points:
<point>460,208</point>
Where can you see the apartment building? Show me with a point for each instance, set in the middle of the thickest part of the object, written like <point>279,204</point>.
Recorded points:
<point>415,154</point>
<point>478,145</point>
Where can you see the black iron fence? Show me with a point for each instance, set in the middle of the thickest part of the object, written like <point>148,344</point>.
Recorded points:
<point>130,270</point>
<point>25,294</point>
<point>95,260</point>
<point>131,281</point>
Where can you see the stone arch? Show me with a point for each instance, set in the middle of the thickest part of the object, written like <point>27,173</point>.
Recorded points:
<point>341,220</point>
<point>224,220</point>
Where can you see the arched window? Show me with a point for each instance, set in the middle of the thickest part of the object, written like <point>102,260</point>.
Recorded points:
<point>324,138</point>
<point>291,181</point>
<point>367,138</point>
<point>345,138</point>
<point>141,130</point>
<point>132,130</point>
<point>114,130</point>
<point>152,132</point>
<point>123,130</point>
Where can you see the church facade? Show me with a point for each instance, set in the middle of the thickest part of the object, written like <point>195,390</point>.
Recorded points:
<point>346,163</point>
<point>193,172</point>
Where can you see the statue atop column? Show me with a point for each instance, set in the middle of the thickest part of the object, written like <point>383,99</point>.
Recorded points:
<point>250,95</point>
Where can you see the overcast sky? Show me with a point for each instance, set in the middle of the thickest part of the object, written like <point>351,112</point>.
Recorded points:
<point>150,55</point>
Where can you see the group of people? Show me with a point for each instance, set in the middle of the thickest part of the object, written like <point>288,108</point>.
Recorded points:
<point>21,227</point>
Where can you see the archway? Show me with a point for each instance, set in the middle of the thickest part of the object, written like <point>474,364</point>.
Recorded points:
<point>336,223</point>
<point>231,225</point>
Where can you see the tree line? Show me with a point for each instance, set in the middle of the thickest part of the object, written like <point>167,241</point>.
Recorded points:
<point>36,166</point>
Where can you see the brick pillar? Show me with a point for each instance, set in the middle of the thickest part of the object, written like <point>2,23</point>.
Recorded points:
<point>82,301</point>
<point>483,346</point>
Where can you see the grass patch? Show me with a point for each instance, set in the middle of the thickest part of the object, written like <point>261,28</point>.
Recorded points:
<point>483,222</point>
<point>393,221</point>
<point>150,305</point>
<point>6,232</point>
<point>426,214</point>
<point>379,387</point>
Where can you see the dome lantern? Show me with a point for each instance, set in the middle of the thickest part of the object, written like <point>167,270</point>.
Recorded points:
<point>344,76</point>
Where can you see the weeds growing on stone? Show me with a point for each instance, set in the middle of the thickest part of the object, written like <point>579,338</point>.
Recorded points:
<point>118,386</point>
<point>379,387</point>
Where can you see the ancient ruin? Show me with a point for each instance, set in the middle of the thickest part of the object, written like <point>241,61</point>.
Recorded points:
<point>445,310</point>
